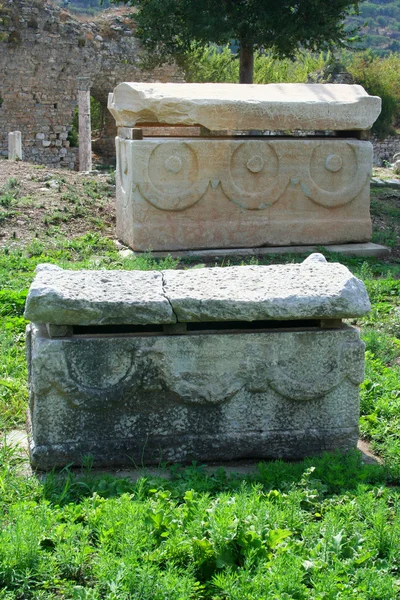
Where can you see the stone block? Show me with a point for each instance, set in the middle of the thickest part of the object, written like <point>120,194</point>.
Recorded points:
<point>229,106</point>
<point>242,362</point>
<point>230,193</point>
<point>146,399</point>
<point>98,297</point>
<point>313,289</point>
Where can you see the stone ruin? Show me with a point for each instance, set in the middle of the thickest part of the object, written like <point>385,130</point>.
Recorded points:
<point>14,145</point>
<point>204,364</point>
<point>195,169</point>
<point>43,49</point>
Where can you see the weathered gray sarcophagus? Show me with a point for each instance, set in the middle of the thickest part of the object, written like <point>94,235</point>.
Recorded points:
<point>206,364</point>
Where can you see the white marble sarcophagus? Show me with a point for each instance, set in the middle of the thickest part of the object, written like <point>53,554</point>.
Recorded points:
<point>207,364</point>
<point>221,183</point>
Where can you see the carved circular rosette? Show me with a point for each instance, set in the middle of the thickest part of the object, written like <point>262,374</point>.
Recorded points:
<point>172,178</point>
<point>105,368</point>
<point>253,180</point>
<point>338,170</point>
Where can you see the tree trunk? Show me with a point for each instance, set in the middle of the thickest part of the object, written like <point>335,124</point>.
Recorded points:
<point>246,63</point>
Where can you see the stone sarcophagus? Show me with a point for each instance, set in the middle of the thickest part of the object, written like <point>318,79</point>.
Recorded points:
<point>195,169</point>
<point>208,364</point>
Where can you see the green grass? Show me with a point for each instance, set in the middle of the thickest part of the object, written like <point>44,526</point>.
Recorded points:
<point>323,528</point>
<point>8,199</point>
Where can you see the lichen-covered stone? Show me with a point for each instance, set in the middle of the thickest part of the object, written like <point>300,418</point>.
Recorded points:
<point>191,393</point>
<point>142,399</point>
<point>313,289</point>
<point>97,298</point>
<point>227,106</point>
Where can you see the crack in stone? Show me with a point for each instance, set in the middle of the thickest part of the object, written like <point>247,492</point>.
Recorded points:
<point>166,297</point>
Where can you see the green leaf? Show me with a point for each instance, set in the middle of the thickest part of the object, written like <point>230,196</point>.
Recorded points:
<point>276,537</point>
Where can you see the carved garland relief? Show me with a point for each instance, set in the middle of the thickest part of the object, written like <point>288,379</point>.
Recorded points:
<point>175,175</point>
<point>118,370</point>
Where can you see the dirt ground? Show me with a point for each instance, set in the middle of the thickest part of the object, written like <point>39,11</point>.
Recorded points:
<point>41,203</point>
<point>38,203</point>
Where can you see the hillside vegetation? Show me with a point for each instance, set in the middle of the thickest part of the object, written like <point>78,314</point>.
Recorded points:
<point>379,21</point>
<point>89,7</point>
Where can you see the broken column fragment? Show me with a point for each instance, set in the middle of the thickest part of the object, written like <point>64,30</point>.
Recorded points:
<point>14,145</point>
<point>85,129</point>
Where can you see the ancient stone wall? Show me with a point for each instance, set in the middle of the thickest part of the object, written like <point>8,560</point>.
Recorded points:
<point>43,49</point>
<point>385,149</point>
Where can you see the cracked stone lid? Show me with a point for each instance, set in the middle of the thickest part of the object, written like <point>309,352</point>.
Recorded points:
<point>313,289</point>
<point>230,106</point>
<point>63,297</point>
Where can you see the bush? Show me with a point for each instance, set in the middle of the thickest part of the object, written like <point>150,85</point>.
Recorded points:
<point>211,65</point>
<point>380,77</point>
<point>221,65</point>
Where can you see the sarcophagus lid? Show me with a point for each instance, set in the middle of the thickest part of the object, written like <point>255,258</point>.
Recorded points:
<point>227,106</point>
<point>313,289</point>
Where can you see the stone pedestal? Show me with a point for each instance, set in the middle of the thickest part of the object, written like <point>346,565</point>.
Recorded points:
<point>14,145</point>
<point>209,364</point>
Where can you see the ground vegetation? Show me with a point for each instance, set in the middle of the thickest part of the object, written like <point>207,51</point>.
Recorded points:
<point>326,527</point>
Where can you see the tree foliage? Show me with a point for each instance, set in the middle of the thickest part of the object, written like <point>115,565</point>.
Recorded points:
<point>168,28</point>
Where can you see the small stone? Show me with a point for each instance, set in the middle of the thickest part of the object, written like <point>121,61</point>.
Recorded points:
<point>127,253</point>
<point>47,267</point>
<point>316,257</point>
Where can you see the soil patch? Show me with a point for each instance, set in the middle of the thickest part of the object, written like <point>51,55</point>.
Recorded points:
<point>41,203</point>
